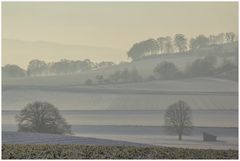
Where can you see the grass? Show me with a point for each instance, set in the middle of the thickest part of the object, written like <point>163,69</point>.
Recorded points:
<point>48,151</point>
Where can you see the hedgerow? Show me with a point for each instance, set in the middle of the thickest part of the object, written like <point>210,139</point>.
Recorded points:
<point>50,151</point>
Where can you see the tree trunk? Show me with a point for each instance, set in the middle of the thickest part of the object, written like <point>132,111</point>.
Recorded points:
<point>180,136</point>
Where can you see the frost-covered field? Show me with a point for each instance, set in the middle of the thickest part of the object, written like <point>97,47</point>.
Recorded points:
<point>134,140</point>
<point>201,93</point>
<point>38,138</point>
<point>193,142</point>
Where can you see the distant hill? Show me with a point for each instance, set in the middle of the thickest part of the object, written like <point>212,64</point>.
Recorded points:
<point>21,52</point>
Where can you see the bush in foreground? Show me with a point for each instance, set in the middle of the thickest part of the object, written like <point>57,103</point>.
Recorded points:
<point>22,151</point>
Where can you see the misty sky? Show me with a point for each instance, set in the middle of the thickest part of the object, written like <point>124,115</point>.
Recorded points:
<point>114,24</point>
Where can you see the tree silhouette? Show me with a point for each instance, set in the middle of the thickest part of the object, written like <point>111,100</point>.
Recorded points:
<point>180,42</point>
<point>165,44</point>
<point>167,70</point>
<point>141,49</point>
<point>230,36</point>
<point>178,118</point>
<point>199,42</point>
<point>36,67</point>
<point>13,71</point>
<point>42,117</point>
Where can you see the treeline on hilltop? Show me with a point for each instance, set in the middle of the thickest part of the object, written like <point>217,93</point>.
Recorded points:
<point>178,44</point>
<point>144,49</point>
<point>40,68</point>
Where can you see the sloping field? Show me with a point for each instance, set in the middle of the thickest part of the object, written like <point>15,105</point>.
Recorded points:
<point>201,93</point>
<point>38,138</point>
<point>207,84</point>
<point>161,140</point>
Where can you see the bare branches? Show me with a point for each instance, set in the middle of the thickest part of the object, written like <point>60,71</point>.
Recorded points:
<point>42,117</point>
<point>178,117</point>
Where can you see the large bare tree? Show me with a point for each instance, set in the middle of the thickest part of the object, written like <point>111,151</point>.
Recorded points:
<point>178,118</point>
<point>42,117</point>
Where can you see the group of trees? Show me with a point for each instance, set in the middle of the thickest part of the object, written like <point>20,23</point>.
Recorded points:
<point>43,117</point>
<point>206,66</point>
<point>178,44</point>
<point>124,76</point>
<point>13,71</point>
<point>39,68</point>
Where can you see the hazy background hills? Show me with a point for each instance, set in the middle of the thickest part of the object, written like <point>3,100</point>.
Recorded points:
<point>51,51</point>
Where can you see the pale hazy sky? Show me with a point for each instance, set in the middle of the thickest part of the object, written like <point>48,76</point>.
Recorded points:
<point>113,24</point>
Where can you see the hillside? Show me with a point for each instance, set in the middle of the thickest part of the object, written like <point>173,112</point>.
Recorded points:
<point>70,90</point>
<point>144,66</point>
<point>201,93</point>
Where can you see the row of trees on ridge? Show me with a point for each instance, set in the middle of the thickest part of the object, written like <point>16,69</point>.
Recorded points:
<point>38,67</point>
<point>164,45</point>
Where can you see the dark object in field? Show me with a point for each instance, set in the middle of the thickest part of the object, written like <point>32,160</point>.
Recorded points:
<point>209,137</point>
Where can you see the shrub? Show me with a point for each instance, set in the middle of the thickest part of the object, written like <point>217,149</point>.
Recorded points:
<point>167,70</point>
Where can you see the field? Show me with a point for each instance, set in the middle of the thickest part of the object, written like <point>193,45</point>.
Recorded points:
<point>200,93</point>
<point>22,151</point>
<point>132,113</point>
<point>128,136</point>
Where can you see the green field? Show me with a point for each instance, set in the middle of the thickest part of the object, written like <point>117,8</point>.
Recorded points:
<point>21,151</point>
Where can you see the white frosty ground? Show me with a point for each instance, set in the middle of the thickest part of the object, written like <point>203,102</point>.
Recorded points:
<point>200,93</point>
<point>193,142</point>
<point>166,141</point>
<point>38,138</point>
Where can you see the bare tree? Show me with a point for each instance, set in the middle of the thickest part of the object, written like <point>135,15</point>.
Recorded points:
<point>230,36</point>
<point>161,44</point>
<point>178,118</point>
<point>165,44</point>
<point>42,117</point>
<point>181,42</point>
<point>168,45</point>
